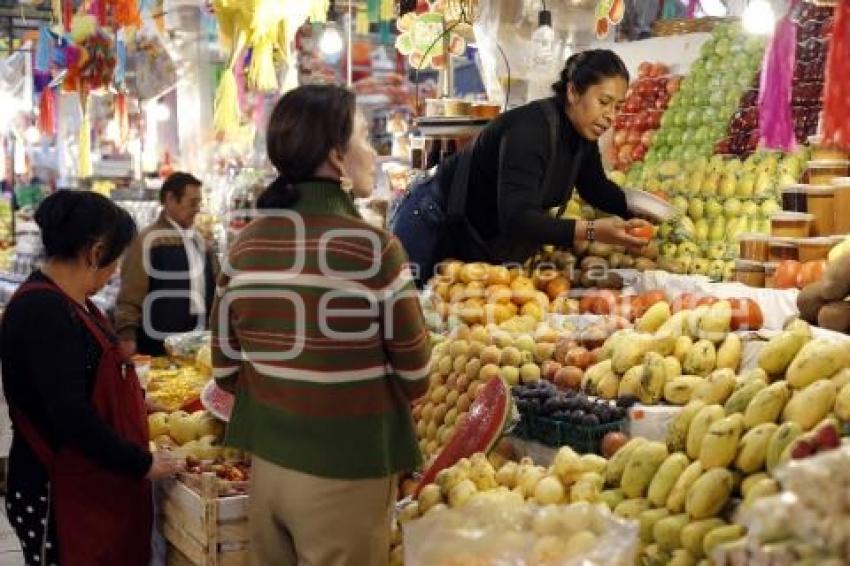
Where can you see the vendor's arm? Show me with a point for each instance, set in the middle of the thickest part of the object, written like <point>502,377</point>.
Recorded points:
<point>524,158</point>
<point>61,382</point>
<point>596,189</point>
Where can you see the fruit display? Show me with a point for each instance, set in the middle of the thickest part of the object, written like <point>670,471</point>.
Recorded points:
<point>719,199</point>
<point>698,114</point>
<point>814,33</point>
<point>197,434</point>
<point>646,101</point>
<point>233,475</point>
<point>469,357</point>
<point>823,302</point>
<point>742,136</point>
<point>172,387</point>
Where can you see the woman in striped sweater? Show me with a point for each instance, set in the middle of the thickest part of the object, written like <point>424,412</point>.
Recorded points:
<point>317,330</point>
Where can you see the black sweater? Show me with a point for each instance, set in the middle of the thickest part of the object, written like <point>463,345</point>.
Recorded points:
<point>512,201</point>
<point>49,361</point>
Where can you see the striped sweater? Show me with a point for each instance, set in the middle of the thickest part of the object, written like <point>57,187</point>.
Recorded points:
<point>317,329</point>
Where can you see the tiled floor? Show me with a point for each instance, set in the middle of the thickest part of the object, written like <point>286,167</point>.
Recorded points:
<point>10,550</point>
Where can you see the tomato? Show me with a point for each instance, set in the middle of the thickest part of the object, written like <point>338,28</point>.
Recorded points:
<point>588,299</point>
<point>706,301</point>
<point>651,297</point>
<point>746,315</point>
<point>786,274</point>
<point>605,303</point>
<point>642,232</point>
<point>685,301</point>
<point>810,272</point>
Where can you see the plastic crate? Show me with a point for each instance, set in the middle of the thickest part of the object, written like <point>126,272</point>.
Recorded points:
<point>583,439</point>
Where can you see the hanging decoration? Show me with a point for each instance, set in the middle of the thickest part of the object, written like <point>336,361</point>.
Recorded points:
<point>226,118</point>
<point>776,122</point>
<point>84,164</point>
<point>122,117</point>
<point>836,106</point>
<point>608,13</point>
<point>421,39</point>
<point>47,113</point>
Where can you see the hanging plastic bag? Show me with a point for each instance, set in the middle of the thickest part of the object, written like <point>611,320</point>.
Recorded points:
<point>776,123</point>
<point>836,107</point>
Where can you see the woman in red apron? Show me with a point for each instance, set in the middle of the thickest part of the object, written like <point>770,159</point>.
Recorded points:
<point>79,470</point>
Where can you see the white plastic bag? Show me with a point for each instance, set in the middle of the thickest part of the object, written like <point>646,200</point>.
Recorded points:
<point>487,533</point>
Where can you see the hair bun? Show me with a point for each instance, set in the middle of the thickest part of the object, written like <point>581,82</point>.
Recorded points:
<point>281,193</point>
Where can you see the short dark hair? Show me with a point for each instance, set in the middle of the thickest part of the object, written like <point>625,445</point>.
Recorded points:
<point>306,124</point>
<point>587,68</point>
<point>71,221</point>
<point>176,184</point>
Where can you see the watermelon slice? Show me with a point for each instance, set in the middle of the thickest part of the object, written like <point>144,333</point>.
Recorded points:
<point>479,432</point>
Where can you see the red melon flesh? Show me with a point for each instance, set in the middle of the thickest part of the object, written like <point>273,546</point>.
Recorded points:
<point>479,432</point>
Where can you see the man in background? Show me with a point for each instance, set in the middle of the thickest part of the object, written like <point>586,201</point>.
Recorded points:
<point>168,274</point>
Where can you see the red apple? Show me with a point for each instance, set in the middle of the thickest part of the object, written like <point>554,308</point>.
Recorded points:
<point>625,153</point>
<point>638,152</point>
<point>658,69</point>
<point>631,106</point>
<point>634,136</point>
<point>620,138</point>
<point>646,138</point>
<point>644,69</point>
<point>662,102</point>
<point>620,122</point>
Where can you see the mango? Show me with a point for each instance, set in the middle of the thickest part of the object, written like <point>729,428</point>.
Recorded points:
<point>752,451</point>
<point>729,352</point>
<point>693,535</point>
<point>720,443</point>
<point>641,468</point>
<point>668,532</point>
<point>677,432</point>
<point>767,404</point>
<point>781,439</point>
<point>665,478</point>
<point>709,494</point>
<point>699,426</point>
<point>819,359</point>
<point>741,397</point>
<point>809,406</point>
<point>779,352</point>
<point>678,496</point>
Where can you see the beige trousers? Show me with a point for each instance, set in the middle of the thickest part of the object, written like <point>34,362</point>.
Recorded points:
<point>301,520</point>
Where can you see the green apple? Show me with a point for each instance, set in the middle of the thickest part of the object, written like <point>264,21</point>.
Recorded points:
<point>680,203</point>
<point>763,226</point>
<point>734,228</point>
<point>729,271</point>
<point>733,166</point>
<point>732,207</point>
<point>764,184</point>
<point>770,207</point>
<point>709,185</point>
<point>713,208</point>
<point>716,163</point>
<point>786,180</point>
<point>753,223</point>
<point>664,230</point>
<point>696,208</point>
<point>701,229</point>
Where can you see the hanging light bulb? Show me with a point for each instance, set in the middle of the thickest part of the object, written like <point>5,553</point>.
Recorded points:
<point>543,39</point>
<point>330,43</point>
<point>758,18</point>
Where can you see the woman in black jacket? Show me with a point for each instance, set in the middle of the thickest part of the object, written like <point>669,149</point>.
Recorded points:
<point>492,202</point>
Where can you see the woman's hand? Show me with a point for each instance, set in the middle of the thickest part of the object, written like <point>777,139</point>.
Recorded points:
<point>165,465</point>
<point>633,234</point>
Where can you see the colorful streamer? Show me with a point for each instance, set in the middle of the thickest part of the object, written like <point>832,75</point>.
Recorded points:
<point>44,50</point>
<point>776,122</point>
<point>836,107</point>
<point>47,113</point>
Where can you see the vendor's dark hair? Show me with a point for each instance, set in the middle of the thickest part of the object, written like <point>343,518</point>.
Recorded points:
<point>587,68</point>
<point>71,221</point>
<point>306,124</point>
<point>176,184</point>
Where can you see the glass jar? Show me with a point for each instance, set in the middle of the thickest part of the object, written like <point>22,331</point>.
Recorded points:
<point>782,249</point>
<point>823,172</point>
<point>820,201</point>
<point>794,199</point>
<point>791,224</point>
<point>750,273</point>
<point>754,247</point>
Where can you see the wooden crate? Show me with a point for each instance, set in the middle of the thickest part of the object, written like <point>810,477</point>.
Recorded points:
<point>203,529</point>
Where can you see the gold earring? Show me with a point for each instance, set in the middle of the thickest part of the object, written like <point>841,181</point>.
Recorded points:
<point>346,184</point>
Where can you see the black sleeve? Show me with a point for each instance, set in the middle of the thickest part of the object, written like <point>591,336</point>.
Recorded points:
<point>523,158</point>
<point>595,187</point>
<point>60,381</point>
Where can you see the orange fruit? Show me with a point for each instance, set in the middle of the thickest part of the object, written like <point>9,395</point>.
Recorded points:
<point>498,275</point>
<point>473,272</point>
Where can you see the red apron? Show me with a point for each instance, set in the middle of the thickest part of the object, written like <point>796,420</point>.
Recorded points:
<point>102,518</point>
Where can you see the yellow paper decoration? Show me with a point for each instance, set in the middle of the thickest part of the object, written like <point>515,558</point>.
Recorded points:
<point>361,23</point>
<point>387,11</point>
<point>319,11</point>
<point>226,117</point>
<point>84,166</point>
